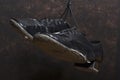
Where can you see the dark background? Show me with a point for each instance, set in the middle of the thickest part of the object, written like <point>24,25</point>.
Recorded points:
<point>21,60</point>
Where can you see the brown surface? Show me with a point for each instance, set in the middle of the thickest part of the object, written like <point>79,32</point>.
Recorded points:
<point>20,60</point>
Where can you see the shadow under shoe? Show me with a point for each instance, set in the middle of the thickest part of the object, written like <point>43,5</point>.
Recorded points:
<point>88,67</point>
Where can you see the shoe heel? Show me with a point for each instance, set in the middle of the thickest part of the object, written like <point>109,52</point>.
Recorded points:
<point>98,50</point>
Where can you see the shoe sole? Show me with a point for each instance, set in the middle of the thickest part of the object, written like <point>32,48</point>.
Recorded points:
<point>58,50</point>
<point>21,30</point>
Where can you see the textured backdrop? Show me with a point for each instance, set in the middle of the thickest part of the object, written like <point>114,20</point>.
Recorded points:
<point>21,60</point>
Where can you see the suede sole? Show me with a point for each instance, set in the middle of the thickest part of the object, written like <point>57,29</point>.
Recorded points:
<point>58,50</point>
